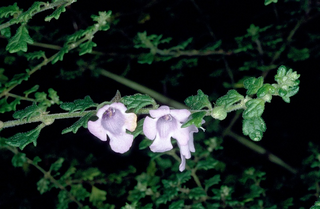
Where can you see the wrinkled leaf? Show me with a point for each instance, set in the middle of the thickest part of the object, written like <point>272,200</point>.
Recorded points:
<point>56,165</point>
<point>198,101</point>
<point>97,195</point>
<point>9,10</point>
<point>33,89</point>
<point>20,41</point>
<point>254,128</point>
<point>56,14</point>
<point>43,185</point>
<point>137,101</point>
<point>253,84</point>
<point>255,108</point>
<point>82,122</point>
<point>86,47</point>
<point>78,105</point>
<point>19,159</point>
<point>196,119</point>
<point>21,140</point>
<point>231,98</point>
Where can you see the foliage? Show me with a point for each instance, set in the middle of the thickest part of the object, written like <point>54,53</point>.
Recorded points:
<point>78,171</point>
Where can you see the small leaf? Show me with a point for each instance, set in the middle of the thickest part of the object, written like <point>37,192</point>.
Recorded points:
<point>196,119</point>
<point>229,99</point>
<point>21,140</point>
<point>36,7</point>
<point>177,204</point>
<point>266,89</point>
<point>6,32</point>
<point>145,143</point>
<point>78,105</point>
<point>298,54</point>
<point>17,79</point>
<point>291,92</point>
<point>79,192</point>
<point>6,107</point>
<point>183,177</point>
<point>198,101</point>
<point>19,41</point>
<point>28,112</point>
<point>255,108</point>
<point>60,54</point>
<point>19,159</point>
<point>254,127</point>
<point>90,174</point>
<point>146,58</point>
<point>9,10</point>
<point>56,165</point>
<point>36,160</point>
<point>97,195</point>
<point>182,45</point>
<point>197,193</point>
<point>33,89</point>
<point>43,185</point>
<point>212,181</point>
<point>56,14</point>
<point>207,164</point>
<point>82,122</point>
<point>267,2</point>
<point>53,96</point>
<point>253,84</point>
<point>35,55</point>
<point>86,47</point>
<point>137,101</point>
<point>139,128</point>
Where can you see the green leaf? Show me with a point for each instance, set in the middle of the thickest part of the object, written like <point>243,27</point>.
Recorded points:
<point>198,101</point>
<point>255,108</point>
<point>6,32</point>
<point>229,99</point>
<point>19,159</point>
<point>291,92</point>
<point>82,122</point>
<point>64,200</point>
<point>97,195</point>
<point>207,164</point>
<point>197,206</point>
<point>56,165</point>
<point>36,7</point>
<point>196,119</point>
<point>90,174</point>
<point>60,54</point>
<point>168,194</point>
<point>43,185</point>
<point>139,128</point>
<point>267,2</point>
<point>298,54</point>
<point>17,79</point>
<point>86,47</point>
<point>56,14</point>
<point>6,107</point>
<point>23,139</point>
<point>183,177</point>
<point>197,193</point>
<point>177,204</point>
<point>53,96</point>
<point>28,112</point>
<point>20,41</point>
<point>254,127</point>
<point>253,84</point>
<point>78,105</point>
<point>35,55</point>
<point>79,192</point>
<point>266,89</point>
<point>137,101</point>
<point>182,45</point>
<point>145,143</point>
<point>212,181</point>
<point>9,10</point>
<point>36,160</point>
<point>146,58</point>
<point>33,89</point>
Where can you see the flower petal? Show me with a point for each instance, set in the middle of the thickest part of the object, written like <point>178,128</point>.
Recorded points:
<point>161,144</point>
<point>184,150</point>
<point>182,164</point>
<point>161,111</point>
<point>181,135</point>
<point>119,106</point>
<point>120,143</point>
<point>97,130</point>
<point>180,115</point>
<point>131,121</point>
<point>149,128</point>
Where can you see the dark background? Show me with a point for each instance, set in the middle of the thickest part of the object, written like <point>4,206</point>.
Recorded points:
<point>290,127</point>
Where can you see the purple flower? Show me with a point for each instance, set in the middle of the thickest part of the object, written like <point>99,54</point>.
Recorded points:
<point>113,121</point>
<point>165,124</point>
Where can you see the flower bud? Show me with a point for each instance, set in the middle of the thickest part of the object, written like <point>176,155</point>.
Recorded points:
<point>219,113</point>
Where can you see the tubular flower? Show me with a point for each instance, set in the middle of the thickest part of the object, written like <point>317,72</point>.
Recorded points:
<point>166,123</point>
<point>113,121</point>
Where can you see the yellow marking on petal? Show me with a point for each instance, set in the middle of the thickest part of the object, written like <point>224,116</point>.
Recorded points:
<point>131,121</point>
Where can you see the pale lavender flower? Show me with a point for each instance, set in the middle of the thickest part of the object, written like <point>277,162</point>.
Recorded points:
<point>113,121</point>
<point>166,123</point>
